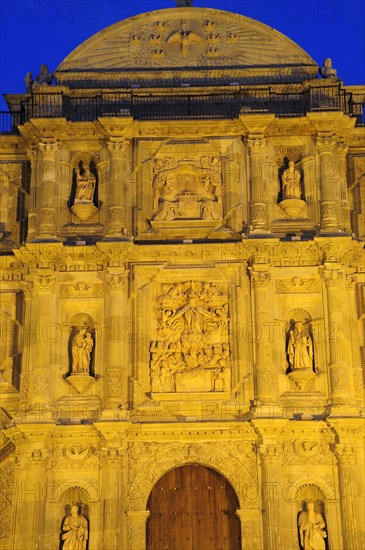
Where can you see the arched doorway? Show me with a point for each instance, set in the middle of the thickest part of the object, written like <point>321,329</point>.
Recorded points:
<point>193,508</point>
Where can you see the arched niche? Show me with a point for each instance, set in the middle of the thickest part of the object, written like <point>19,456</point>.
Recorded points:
<point>83,199</point>
<point>293,316</point>
<point>193,506</point>
<point>82,322</point>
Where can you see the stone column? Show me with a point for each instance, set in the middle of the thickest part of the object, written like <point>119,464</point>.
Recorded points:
<point>329,184</point>
<point>339,373</point>
<point>137,529</point>
<point>43,305</point>
<point>30,513</point>
<point>347,470</point>
<point>112,468</point>
<point>250,529</point>
<point>32,205</point>
<point>116,200</point>
<point>271,476</point>
<point>65,189</point>
<point>117,337</point>
<point>265,374</point>
<point>258,213</point>
<point>345,222</point>
<point>47,196</point>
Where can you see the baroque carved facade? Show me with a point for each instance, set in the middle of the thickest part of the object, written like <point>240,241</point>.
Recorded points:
<point>183,283</point>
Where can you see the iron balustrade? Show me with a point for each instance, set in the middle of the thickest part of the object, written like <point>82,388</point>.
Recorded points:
<point>183,106</point>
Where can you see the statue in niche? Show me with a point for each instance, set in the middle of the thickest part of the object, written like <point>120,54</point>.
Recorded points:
<point>327,71</point>
<point>300,348</point>
<point>75,530</point>
<point>85,184</point>
<point>81,348</point>
<point>291,185</point>
<point>43,79</point>
<point>311,529</point>
<point>84,190</point>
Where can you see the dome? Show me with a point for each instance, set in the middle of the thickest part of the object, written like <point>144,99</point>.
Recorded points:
<point>166,44</point>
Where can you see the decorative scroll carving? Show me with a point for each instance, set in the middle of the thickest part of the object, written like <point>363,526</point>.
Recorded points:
<point>297,284</point>
<point>185,190</point>
<point>192,350</point>
<point>7,480</point>
<point>81,290</point>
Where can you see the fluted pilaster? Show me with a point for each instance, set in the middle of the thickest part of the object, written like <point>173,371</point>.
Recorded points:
<point>329,184</point>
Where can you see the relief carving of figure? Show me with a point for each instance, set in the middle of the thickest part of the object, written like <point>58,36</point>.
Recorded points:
<point>82,345</point>
<point>192,325</point>
<point>300,348</point>
<point>327,71</point>
<point>311,529</point>
<point>85,184</point>
<point>75,530</point>
<point>185,190</point>
<point>291,182</point>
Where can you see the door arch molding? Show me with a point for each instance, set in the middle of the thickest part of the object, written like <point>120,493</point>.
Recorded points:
<point>166,457</point>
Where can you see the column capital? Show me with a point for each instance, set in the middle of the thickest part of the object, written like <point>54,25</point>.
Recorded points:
<point>116,280</point>
<point>269,451</point>
<point>326,143</point>
<point>255,143</point>
<point>116,147</point>
<point>49,149</point>
<point>44,284</point>
<point>346,454</point>
<point>332,277</point>
<point>260,277</point>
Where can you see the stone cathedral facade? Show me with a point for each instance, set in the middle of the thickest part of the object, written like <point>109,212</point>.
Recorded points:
<point>183,294</point>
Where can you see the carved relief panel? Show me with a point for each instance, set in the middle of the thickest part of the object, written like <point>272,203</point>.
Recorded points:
<point>191,350</point>
<point>181,190</point>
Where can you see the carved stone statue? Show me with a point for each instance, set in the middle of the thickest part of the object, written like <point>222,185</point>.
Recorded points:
<point>311,529</point>
<point>184,3</point>
<point>291,182</point>
<point>300,349</point>
<point>82,345</point>
<point>28,83</point>
<point>85,185</point>
<point>43,79</point>
<point>327,71</point>
<point>75,530</point>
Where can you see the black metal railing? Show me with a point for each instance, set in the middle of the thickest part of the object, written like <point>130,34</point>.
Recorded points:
<point>183,106</point>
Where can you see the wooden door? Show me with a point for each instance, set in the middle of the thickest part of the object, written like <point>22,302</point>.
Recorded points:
<point>193,508</point>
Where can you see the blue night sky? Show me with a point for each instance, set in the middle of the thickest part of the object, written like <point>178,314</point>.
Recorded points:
<point>46,31</point>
